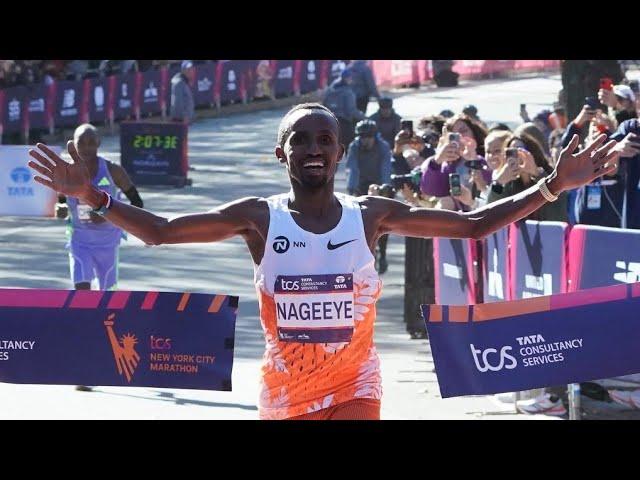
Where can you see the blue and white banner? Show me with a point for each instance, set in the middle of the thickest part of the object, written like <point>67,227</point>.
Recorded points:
<point>535,342</point>
<point>20,195</point>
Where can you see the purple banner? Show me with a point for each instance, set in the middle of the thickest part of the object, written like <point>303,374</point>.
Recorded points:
<point>68,103</point>
<point>284,81</point>
<point>309,75</point>
<point>230,77</point>
<point>538,263</point>
<point>15,99</point>
<point>133,339</point>
<point>124,96</point>
<point>495,267</point>
<point>150,96</point>
<point>38,106</point>
<point>203,95</point>
<point>98,100</point>
<point>537,342</point>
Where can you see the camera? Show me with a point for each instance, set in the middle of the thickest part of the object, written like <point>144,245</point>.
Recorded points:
<point>454,137</point>
<point>474,164</point>
<point>431,138</point>
<point>412,179</point>
<point>512,156</point>
<point>592,103</point>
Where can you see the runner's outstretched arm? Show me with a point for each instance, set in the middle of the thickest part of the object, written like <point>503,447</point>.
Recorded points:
<point>72,179</point>
<point>572,171</point>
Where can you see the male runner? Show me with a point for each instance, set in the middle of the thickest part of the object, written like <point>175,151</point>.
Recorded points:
<point>93,242</point>
<point>313,257</point>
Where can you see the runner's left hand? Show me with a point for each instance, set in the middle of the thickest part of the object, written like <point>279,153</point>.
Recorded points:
<point>577,168</point>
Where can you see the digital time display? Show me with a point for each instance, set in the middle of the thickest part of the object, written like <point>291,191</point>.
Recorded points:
<point>155,141</point>
<point>154,153</point>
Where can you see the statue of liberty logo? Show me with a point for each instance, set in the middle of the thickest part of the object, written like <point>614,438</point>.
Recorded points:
<point>124,351</point>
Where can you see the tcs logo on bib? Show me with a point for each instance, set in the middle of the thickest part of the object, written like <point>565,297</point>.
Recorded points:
<point>289,285</point>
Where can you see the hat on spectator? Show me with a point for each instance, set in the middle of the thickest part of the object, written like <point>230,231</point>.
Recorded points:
<point>470,110</point>
<point>385,102</point>
<point>543,116</point>
<point>446,113</point>
<point>366,128</point>
<point>186,64</point>
<point>624,91</point>
<point>347,72</point>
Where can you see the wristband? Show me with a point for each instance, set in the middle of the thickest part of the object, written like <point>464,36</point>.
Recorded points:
<point>544,190</point>
<point>106,205</point>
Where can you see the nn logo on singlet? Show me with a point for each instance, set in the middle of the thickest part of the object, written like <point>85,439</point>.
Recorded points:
<point>281,244</point>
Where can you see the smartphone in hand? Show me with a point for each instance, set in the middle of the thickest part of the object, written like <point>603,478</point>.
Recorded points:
<point>407,126</point>
<point>454,137</point>
<point>454,184</point>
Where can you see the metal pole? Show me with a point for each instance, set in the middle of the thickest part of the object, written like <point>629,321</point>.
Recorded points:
<point>574,401</point>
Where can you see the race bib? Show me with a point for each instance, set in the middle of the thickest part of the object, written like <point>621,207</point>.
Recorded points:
<point>594,197</point>
<point>314,308</point>
<point>84,211</point>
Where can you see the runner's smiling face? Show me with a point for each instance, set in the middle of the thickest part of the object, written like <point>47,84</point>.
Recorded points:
<point>311,152</point>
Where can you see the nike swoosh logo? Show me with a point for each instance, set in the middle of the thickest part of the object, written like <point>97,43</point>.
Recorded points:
<point>331,246</point>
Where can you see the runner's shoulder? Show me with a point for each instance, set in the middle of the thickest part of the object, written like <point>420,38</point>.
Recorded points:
<point>249,207</point>
<point>378,206</point>
<point>252,210</point>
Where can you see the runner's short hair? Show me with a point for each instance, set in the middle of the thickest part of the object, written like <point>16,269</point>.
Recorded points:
<point>285,128</point>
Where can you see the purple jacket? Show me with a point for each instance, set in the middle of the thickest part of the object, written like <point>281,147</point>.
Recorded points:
<point>435,179</point>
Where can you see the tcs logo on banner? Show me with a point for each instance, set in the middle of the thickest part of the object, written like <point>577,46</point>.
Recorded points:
<point>483,364</point>
<point>159,343</point>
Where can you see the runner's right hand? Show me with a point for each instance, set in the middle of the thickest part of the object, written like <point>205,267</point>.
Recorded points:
<point>71,179</point>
